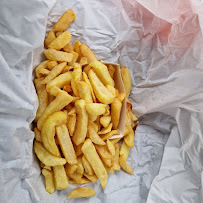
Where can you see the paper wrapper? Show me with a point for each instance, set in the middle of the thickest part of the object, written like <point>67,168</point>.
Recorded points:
<point>161,43</point>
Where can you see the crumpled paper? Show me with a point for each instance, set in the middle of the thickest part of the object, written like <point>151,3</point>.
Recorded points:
<point>161,43</point>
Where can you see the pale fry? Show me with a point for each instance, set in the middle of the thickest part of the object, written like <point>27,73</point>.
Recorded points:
<point>75,57</point>
<point>61,41</point>
<point>45,157</point>
<point>70,169</point>
<point>57,104</point>
<point>106,130</point>
<point>116,165</point>
<point>88,53</point>
<point>55,55</point>
<point>101,92</point>
<point>125,73</point>
<point>43,71</point>
<point>60,177</point>
<point>83,60</point>
<point>77,75</point>
<point>71,123</point>
<point>93,178</point>
<point>54,73</point>
<point>42,65</point>
<point>81,192</point>
<point>115,112</point>
<point>91,155</point>
<point>49,180</point>
<point>94,136</point>
<point>50,37</point>
<point>67,69</point>
<point>51,64</point>
<point>111,147</point>
<point>68,47</point>
<point>42,96</point>
<point>66,144</point>
<point>66,19</point>
<point>98,124</point>
<point>124,150</point>
<point>37,135</point>
<point>87,166</point>
<point>80,168</point>
<point>96,109</point>
<point>81,123</point>
<point>84,91</point>
<point>110,134</point>
<point>109,170</point>
<point>105,121</point>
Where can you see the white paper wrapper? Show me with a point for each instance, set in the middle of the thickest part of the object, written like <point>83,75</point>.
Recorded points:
<point>161,43</point>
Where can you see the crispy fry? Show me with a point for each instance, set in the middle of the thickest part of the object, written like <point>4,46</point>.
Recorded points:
<point>76,176</point>
<point>126,131</point>
<point>111,70</point>
<point>67,69</point>
<point>111,147</point>
<point>125,73</point>
<point>101,92</point>
<point>87,166</point>
<point>61,41</point>
<point>55,55</point>
<point>76,48</point>
<point>50,37</point>
<point>67,88</point>
<point>71,123</point>
<point>42,96</point>
<point>124,165</point>
<point>67,18</point>
<point>124,150</point>
<point>81,123</point>
<point>88,53</point>
<point>94,125</point>
<point>49,180</point>
<point>37,135</point>
<point>115,112</point>
<point>91,155</point>
<point>86,69</point>
<point>75,57</point>
<point>129,139</point>
<point>68,47</point>
<point>116,165</point>
<point>43,71</point>
<point>110,134</point>
<point>96,109</point>
<point>105,121</point>
<point>84,91</point>
<point>45,157</point>
<point>80,168</point>
<point>58,33</point>
<point>83,60</point>
<point>94,136</point>
<point>40,67</point>
<point>51,64</point>
<point>77,75</point>
<point>106,130</point>
<point>66,144</point>
<point>93,178</point>
<point>98,124</point>
<point>82,192</point>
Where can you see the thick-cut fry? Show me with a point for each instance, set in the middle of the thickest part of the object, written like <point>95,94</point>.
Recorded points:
<point>94,125</point>
<point>40,67</point>
<point>43,71</point>
<point>124,150</point>
<point>55,55</point>
<point>51,64</point>
<point>86,69</point>
<point>61,41</point>
<point>75,57</point>
<point>68,47</point>
<point>42,96</point>
<point>129,139</point>
<point>80,168</point>
<point>77,75</point>
<point>76,48</point>
<point>67,69</point>
<point>55,91</point>
<point>105,155</point>
<point>70,169</point>
<point>49,180</point>
<point>111,147</point>
<point>102,72</point>
<point>121,96</point>
<point>66,19</point>
<point>115,140</point>
<point>58,33</point>
<point>88,53</point>
<point>50,37</point>
<point>84,91</point>
<point>83,181</point>
<point>125,73</point>
<point>116,165</point>
<point>54,73</point>
<point>124,165</point>
<point>91,155</point>
<point>71,123</point>
<point>101,92</point>
<point>50,98</point>
<point>106,130</point>
<point>87,166</point>
<point>75,176</point>
<point>115,112</point>
<point>93,178</point>
<point>48,131</point>
<point>78,149</point>
<point>94,136</point>
<point>111,70</point>
<point>92,118</point>
<point>96,109</point>
<point>66,144</point>
<point>81,123</point>
<point>67,88</point>
<point>109,170</point>
<point>111,89</point>
<point>60,177</point>
<point>110,134</point>
<point>57,104</point>
<point>72,111</point>
<point>98,124</point>
<point>105,121</point>
<point>81,192</point>
<point>37,135</point>
<point>83,60</point>
<point>126,131</point>
<point>45,157</point>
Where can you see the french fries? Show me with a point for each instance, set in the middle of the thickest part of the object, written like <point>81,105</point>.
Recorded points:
<point>79,120</point>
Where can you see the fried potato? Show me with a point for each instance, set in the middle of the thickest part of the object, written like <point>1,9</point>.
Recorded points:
<point>48,131</point>
<point>43,71</point>
<point>58,33</point>
<point>93,158</point>
<point>124,165</point>
<point>102,72</point>
<point>111,70</point>
<point>92,118</point>
<point>81,192</point>
<point>55,55</point>
<point>55,91</point>
<point>124,150</point>
<point>98,124</point>
<point>96,109</point>
<point>93,178</point>
<point>51,64</point>
<point>37,135</point>
<point>70,169</point>
<point>134,117</point>
<point>61,41</point>
<point>50,98</point>
<point>94,125</point>
<point>67,18</point>
<point>110,134</point>
<point>88,53</point>
<point>40,67</point>
<point>76,177</point>
<point>129,139</point>
<point>62,100</point>
<point>106,130</point>
<point>86,69</point>
<point>84,91</point>
<point>75,57</point>
<point>121,96</point>
<point>80,168</point>
<point>83,60</point>
<point>45,157</point>
<point>109,170</point>
<point>115,140</point>
<point>76,48</point>
<point>111,147</point>
<point>111,89</point>
<point>105,155</point>
<point>60,178</point>
<point>77,75</point>
<point>115,112</point>
<point>78,149</point>
<point>68,47</point>
<point>87,166</point>
<point>71,123</point>
<point>42,96</point>
<point>125,73</point>
<point>116,165</point>
<point>81,123</point>
<point>50,37</point>
<point>126,131</point>
<point>105,121</point>
<point>85,78</point>
<point>94,136</point>
<point>83,181</point>
<point>66,144</point>
<point>107,113</point>
<point>49,180</point>
<point>101,92</point>
<point>72,111</point>
<point>67,88</point>
<point>67,69</point>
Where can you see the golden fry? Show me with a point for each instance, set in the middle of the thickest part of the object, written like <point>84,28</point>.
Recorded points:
<point>49,180</point>
<point>106,130</point>
<point>75,57</point>
<point>83,60</point>
<point>50,37</point>
<point>110,134</point>
<point>125,73</point>
<point>70,169</point>
<point>88,53</point>
<point>116,165</point>
<point>51,64</point>
<point>121,96</point>
<point>94,136</point>
<point>41,66</point>
<point>68,47</point>
<point>93,178</point>
<point>77,75</point>
<point>96,109</point>
<point>37,135</point>
<point>111,147</point>
<point>81,192</point>
<point>129,139</point>
<point>84,91</point>
<point>71,123</point>
<point>115,112</point>
<point>111,70</point>
<point>105,121</point>
<point>87,166</point>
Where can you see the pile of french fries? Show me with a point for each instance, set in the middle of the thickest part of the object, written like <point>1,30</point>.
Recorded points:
<point>79,111</point>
